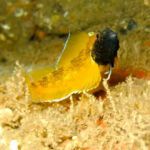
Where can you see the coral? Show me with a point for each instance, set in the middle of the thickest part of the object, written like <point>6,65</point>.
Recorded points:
<point>119,121</point>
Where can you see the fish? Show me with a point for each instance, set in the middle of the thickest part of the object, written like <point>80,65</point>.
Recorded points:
<point>78,68</point>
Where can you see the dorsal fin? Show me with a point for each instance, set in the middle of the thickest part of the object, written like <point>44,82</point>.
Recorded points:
<point>73,46</point>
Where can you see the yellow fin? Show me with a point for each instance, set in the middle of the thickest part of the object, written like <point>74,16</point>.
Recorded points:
<point>73,47</point>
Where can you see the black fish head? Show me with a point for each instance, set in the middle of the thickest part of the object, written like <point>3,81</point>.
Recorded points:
<point>105,47</point>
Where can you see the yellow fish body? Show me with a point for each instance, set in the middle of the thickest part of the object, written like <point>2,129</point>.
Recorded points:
<point>76,71</point>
